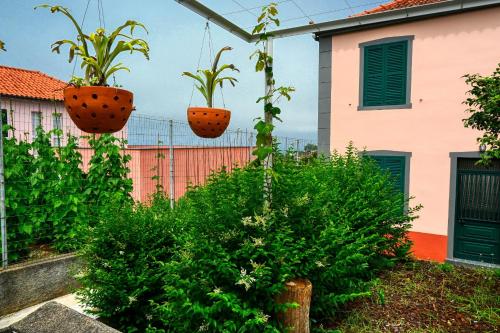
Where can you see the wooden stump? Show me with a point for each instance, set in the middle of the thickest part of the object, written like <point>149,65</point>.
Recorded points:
<point>297,291</point>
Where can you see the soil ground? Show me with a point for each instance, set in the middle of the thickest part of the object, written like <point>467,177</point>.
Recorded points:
<point>426,297</point>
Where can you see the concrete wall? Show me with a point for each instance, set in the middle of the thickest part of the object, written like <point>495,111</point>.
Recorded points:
<point>24,285</point>
<point>444,49</point>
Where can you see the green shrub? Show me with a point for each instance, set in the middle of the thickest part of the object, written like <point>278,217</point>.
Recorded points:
<point>124,256</point>
<point>335,221</point>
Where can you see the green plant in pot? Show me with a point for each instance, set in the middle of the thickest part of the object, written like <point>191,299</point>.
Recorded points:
<point>210,122</point>
<point>92,104</point>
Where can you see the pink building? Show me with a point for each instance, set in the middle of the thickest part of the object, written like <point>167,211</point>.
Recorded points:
<point>390,81</point>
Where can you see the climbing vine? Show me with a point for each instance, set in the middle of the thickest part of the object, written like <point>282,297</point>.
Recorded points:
<point>264,62</point>
<point>49,199</point>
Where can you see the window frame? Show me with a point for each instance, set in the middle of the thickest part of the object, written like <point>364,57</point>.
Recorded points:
<point>409,39</point>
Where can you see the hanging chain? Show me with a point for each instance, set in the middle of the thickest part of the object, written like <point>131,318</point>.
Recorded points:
<point>211,47</point>
<point>207,27</point>
<point>78,40</point>
<point>100,9</point>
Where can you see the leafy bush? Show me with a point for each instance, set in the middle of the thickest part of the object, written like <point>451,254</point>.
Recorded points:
<point>334,221</point>
<point>124,259</point>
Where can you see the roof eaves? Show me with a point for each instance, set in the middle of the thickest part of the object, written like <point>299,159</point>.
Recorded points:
<point>32,98</point>
<point>395,16</point>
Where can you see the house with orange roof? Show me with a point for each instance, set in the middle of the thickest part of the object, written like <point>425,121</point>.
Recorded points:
<point>29,99</point>
<point>391,81</point>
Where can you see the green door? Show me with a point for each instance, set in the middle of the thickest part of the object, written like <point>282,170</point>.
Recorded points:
<point>477,212</point>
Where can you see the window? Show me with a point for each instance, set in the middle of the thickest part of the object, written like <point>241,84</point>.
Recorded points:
<point>36,121</point>
<point>396,165</point>
<point>5,122</point>
<point>56,125</point>
<point>385,74</point>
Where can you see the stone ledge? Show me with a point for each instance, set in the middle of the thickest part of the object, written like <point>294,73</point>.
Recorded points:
<point>23,285</point>
<point>57,318</point>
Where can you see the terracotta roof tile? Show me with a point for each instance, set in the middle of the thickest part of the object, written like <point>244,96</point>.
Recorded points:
<point>398,4</point>
<point>26,83</point>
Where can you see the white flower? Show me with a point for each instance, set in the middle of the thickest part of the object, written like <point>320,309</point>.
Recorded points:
<point>247,221</point>
<point>245,280</point>
<point>262,318</point>
<point>284,210</point>
<point>121,253</point>
<point>258,241</point>
<point>203,328</point>
<point>149,317</point>
<point>131,299</point>
<point>217,291</point>
<point>320,264</point>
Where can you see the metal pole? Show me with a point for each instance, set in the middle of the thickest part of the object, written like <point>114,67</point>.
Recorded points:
<point>171,143</point>
<point>3,222</point>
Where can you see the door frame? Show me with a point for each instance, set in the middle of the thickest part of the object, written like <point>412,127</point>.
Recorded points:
<point>454,156</point>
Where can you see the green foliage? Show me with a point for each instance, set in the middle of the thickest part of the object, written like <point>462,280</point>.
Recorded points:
<point>49,199</point>
<point>124,257</point>
<point>99,63</point>
<point>211,77</point>
<point>107,179</point>
<point>334,221</point>
<point>484,106</point>
<point>18,167</point>
<point>264,62</point>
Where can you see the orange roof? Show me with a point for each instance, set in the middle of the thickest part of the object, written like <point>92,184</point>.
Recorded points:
<point>26,83</point>
<point>397,4</point>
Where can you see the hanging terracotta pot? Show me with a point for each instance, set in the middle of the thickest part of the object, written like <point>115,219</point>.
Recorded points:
<point>208,122</point>
<point>98,109</point>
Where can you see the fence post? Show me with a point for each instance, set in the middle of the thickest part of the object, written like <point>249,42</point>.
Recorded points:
<point>250,145</point>
<point>3,220</point>
<point>297,150</point>
<point>171,158</point>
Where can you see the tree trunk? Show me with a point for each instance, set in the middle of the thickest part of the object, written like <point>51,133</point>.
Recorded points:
<point>297,291</point>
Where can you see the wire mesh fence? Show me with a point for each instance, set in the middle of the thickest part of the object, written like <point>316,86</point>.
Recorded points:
<point>53,176</point>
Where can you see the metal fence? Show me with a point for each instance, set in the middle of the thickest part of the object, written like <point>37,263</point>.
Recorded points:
<point>164,156</point>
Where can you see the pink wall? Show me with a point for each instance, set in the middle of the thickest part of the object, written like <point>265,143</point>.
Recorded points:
<point>444,49</point>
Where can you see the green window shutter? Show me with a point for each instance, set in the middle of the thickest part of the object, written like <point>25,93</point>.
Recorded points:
<point>385,74</point>
<point>373,76</point>
<point>396,166</point>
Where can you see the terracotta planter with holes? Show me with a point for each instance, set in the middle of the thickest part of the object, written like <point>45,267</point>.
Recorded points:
<point>208,122</point>
<point>98,109</point>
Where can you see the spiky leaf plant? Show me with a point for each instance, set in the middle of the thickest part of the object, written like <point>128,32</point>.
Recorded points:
<point>208,79</point>
<point>99,50</point>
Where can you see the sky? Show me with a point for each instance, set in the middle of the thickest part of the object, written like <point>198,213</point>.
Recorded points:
<point>175,38</point>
